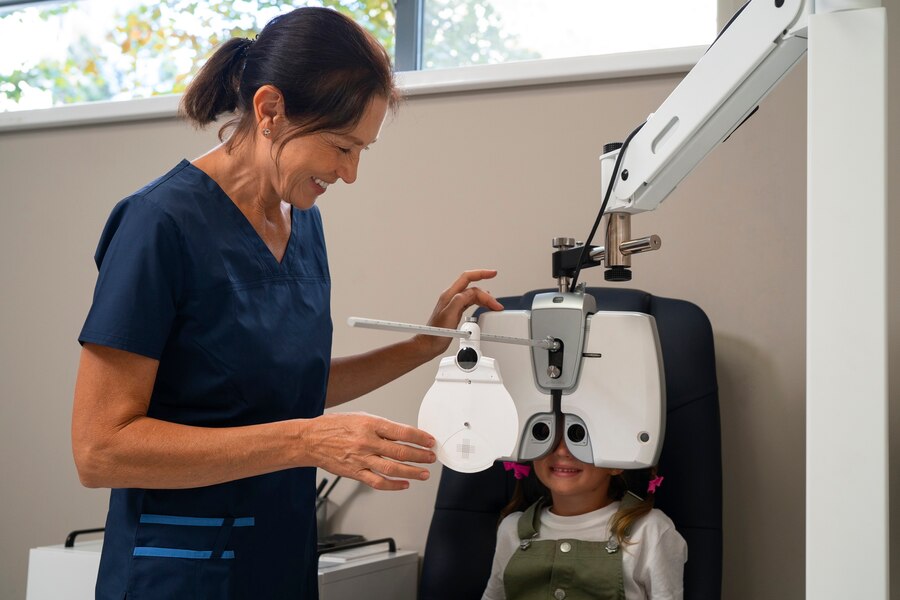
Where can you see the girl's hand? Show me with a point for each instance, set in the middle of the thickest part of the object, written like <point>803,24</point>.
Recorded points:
<point>452,304</point>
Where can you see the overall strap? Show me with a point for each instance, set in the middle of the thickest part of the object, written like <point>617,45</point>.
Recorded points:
<point>629,500</point>
<point>530,522</point>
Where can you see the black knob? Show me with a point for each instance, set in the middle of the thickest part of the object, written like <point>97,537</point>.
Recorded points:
<point>617,274</point>
<point>467,359</point>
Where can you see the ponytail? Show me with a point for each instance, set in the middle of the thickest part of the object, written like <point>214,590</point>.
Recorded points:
<point>216,87</point>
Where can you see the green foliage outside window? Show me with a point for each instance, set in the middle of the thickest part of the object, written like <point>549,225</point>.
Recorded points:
<point>153,48</point>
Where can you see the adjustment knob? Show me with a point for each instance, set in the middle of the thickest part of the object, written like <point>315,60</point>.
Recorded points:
<point>563,243</point>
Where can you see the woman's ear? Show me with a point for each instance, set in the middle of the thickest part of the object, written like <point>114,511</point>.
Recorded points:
<point>268,106</point>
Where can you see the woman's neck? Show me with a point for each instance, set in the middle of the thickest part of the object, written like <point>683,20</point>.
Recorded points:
<point>239,176</point>
<point>240,179</point>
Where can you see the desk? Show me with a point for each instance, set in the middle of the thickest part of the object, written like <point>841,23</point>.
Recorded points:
<point>57,572</point>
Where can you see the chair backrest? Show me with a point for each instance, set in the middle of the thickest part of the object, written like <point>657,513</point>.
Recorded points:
<point>461,540</point>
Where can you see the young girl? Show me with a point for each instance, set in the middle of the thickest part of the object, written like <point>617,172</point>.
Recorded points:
<point>586,533</point>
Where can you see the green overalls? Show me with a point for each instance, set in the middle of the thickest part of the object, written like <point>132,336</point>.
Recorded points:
<point>566,569</point>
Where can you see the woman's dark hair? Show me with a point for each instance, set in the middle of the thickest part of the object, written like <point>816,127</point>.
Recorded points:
<point>326,66</point>
<point>529,490</point>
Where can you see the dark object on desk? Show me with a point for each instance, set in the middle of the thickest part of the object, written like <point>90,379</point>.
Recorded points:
<point>338,540</point>
<point>392,546</point>
<point>70,539</point>
<point>460,547</point>
<point>320,499</point>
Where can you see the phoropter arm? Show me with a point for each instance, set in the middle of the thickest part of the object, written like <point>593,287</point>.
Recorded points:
<point>754,51</point>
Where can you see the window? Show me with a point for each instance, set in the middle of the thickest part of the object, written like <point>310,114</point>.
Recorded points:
<point>55,53</point>
<point>471,32</point>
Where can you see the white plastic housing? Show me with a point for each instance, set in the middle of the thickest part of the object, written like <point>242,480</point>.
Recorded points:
<point>469,412</point>
<point>621,396</point>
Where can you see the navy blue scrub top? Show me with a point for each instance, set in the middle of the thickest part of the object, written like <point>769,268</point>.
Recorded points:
<point>241,339</point>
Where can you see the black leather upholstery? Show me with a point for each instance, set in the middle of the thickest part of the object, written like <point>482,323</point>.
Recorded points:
<point>462,536</point>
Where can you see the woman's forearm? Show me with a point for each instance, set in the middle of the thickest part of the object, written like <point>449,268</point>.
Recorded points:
<point>115,444</point>
<point>149,453</point>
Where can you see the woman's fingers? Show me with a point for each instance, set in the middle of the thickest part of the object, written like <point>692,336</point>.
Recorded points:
<point>398,470</point>
<point>462,294</point>
<point>398,432</point>
<point>463,281</point>
<point>469,277</point>
<point>376,481</point>
<point>372,450</point>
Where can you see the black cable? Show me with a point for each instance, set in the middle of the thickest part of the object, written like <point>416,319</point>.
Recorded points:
<point>609,187</point>
<point>728,24</point>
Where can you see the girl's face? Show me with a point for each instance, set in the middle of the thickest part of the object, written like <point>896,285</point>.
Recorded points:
<point>577,487</point>
<point>309,164</point>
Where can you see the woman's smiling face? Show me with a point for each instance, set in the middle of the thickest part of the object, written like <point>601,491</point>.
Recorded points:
<point>309,164</point>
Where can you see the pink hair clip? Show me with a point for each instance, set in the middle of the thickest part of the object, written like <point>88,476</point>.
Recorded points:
<point>520,471</point>
<point>654,483</point>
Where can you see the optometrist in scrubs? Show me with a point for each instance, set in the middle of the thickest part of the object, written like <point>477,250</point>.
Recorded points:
<point>206,362</point>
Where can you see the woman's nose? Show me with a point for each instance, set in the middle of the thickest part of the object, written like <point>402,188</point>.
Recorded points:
<point>347,171</point>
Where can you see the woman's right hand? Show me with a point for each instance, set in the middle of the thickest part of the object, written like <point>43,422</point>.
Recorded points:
<point>367,448</point>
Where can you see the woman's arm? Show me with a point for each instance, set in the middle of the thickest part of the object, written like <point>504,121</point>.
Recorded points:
<point>355,376</point>
<point>115,443</point>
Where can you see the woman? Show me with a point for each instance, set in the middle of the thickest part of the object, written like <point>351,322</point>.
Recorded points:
<point>206,360</point>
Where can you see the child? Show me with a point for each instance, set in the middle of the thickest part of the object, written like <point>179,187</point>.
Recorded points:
<point>585,533</point>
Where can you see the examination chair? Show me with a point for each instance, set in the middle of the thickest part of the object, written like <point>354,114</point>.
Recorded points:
<point>462,536</point>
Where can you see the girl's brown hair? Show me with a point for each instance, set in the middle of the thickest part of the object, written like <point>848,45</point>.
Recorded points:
<point>326,66</point>
<point>529,490</point>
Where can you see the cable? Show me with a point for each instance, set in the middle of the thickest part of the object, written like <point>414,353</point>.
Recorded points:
<point>612,181</point>
<point>727,25</point>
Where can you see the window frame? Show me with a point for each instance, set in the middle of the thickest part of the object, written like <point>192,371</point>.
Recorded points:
<point>411,79</point>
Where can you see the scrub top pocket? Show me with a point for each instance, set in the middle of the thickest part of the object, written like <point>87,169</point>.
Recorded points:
<point>188,550</point>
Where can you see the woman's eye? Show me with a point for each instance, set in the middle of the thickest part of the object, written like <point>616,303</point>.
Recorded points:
<point>344,150</point>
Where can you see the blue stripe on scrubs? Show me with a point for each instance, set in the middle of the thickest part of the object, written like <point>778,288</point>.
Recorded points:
<point>241,339</point>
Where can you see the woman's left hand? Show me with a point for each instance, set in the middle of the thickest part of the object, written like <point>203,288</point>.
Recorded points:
<point>452,304</point>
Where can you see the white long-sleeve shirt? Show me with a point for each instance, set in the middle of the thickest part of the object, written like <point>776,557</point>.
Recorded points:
<point>652,564</point>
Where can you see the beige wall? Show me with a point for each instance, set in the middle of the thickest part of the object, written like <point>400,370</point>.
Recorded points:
<point>457,181</point>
